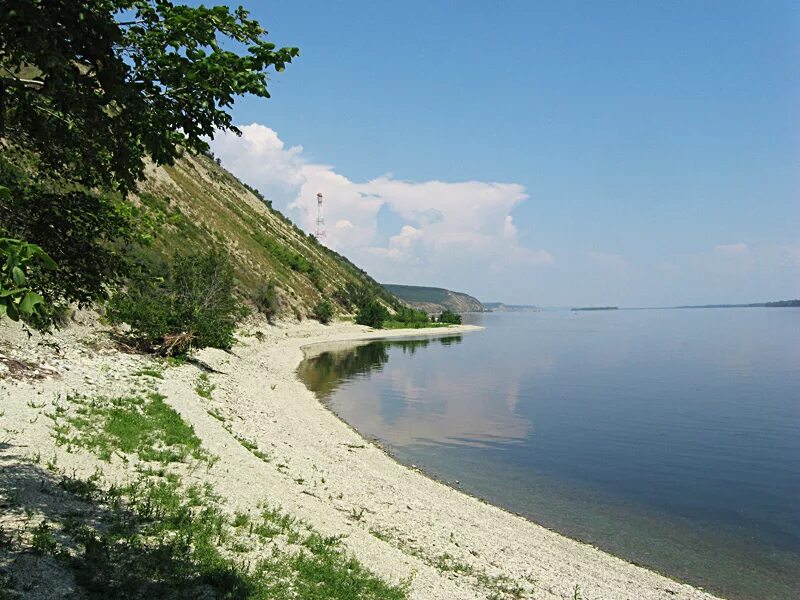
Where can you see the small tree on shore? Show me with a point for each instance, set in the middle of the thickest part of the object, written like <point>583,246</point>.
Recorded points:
<point>372,313</point>
<point>450,317</point>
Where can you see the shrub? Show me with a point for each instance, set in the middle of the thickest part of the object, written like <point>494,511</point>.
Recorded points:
<point>266,299</point>
<point>450,317</point>
<point>323,312</point>
<point>189,304</point>
<point>410,315</point>
<point>372,313</point>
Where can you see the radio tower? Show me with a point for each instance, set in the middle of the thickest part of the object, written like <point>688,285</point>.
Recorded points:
<point>320,232</point>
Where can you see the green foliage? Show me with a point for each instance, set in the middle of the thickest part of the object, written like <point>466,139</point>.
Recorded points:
<point>372,313</point>
<point>88,91</point>
<point>290,258</point>
<point>144,426</point>
<point>449,317</point>
<point>323,312</point>
<point>17,300</point>
<point>189,304</point>
<point>86,234</point>
<point>266,299</point>
<point>406,314</point>
<point>95,87</point>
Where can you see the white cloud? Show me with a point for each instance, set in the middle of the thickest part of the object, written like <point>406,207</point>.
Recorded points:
<point>444,227</point>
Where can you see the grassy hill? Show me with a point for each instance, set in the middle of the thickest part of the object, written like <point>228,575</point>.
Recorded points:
<point>197,203</point>
<point>433,299</point>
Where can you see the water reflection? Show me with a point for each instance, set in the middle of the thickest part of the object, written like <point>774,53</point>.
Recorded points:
<point>424,405</point>
<point>326,371</point>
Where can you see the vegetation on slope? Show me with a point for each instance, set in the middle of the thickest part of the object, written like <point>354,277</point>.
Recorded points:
<point>105,112</point>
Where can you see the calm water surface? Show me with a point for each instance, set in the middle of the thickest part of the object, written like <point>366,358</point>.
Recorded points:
<point>669,437</point>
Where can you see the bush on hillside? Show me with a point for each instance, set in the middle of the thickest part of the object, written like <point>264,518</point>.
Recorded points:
<point>323,312</point>
<point>450,317</point>
<point>189,303</point>
<point>266,300</point>
<point>372,313</point>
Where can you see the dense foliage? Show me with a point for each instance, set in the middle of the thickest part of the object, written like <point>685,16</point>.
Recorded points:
<point>189,303</point>
<point>96,86</point>
<point>323,312</point>
<point>86,234</point>
<point>372,313</point>
<point>449,317</point>
<point>88,91</point>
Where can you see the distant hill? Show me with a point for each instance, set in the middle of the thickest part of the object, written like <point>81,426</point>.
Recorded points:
<point>502,307</point>
<point>595,308</point>
<point>433,299</point>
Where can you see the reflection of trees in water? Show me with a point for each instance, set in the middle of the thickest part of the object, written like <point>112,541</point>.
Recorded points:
<point>324,373</point>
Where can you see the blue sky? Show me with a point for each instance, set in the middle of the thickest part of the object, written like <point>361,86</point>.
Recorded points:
<point>648,153</point>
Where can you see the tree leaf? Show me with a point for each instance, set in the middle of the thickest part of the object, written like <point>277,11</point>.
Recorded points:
<point>18,276</point>
<point>29,303</point>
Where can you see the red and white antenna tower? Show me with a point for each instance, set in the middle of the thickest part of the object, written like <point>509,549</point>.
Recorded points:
<point>320,232</point>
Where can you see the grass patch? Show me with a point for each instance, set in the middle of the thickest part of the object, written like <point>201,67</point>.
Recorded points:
<point>143,426</point>
<point>252,447</point>
<point>204,387</point>
<point>156,537</point>
<point>150,372</point>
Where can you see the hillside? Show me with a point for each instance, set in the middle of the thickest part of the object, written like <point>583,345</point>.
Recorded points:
<point>196,203</point>
<point>433,300</point>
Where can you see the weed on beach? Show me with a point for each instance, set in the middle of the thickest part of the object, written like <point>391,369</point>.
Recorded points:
<point>160,537</point>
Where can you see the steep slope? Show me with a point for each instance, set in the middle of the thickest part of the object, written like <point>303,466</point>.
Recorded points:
<point>432,299</point>
<point>196,203</point>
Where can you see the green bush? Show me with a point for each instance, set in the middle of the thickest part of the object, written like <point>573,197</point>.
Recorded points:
<point>449,317</point>
<point>266,299</point>
<point>372,313</point>
<point>410,316</point>
<point>323,312</point>
<point>188,304</point>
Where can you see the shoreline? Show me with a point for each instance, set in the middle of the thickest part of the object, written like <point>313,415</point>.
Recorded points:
<point>398,521</point>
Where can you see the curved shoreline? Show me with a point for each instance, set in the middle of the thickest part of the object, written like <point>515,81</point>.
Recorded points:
<point>556,562</point>
<point>400,523</point>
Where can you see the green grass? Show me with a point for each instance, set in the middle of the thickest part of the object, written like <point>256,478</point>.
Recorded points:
<point>204,387</point>
<point>143,426</point>
<point>156,537</point>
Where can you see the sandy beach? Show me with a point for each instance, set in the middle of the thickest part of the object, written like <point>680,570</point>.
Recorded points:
<point>398,522</point>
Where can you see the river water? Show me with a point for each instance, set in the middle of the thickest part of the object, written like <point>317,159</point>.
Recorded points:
<point>668,437</point>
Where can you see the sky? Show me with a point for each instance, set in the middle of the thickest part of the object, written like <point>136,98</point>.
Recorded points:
<point>550,153</point>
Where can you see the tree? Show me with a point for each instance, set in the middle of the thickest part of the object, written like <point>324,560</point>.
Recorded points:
<point>372,313</point>
<point>89,89</point>
<point>95,86</point>
<point>450,317</point>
